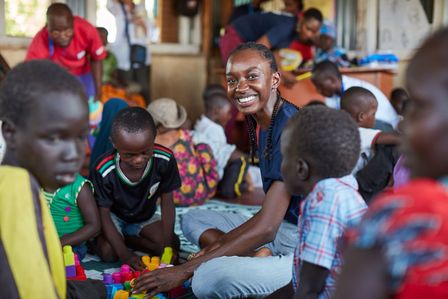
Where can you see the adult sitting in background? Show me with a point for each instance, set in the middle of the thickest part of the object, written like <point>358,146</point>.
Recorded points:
<point>130,46</point>
<point>300,51</point>
<point>197,167</point>
<point>73,43</point>
<point>332,84</point>
<point>246,9</point>
<point>103,142</point>
<point>327,49</point>
<point>273,30</point>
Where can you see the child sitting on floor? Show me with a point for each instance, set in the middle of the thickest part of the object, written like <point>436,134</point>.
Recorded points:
<point>128,181</point>
<point>232,165</point>
<point>45,148</point>
<point>362,105</point>
<point>320,147</point>
<point>74,213</point>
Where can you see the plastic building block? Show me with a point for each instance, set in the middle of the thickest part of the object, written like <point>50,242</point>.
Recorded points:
<point>107,278</point>
<point>116,277</point>
<point>111,289</point>
<point>126,276</point>
<point>167,255</point>
<point>127,285</point>
<point>125,268</point>
<point>152,266</point>
<point>155,260</point>
<point>69,256</point>
<point>137,274</point>
<point>159,296</point>
<point>121,294</point>
<point>146,260</point>
<point>137,296</point>
<point>70,271</point>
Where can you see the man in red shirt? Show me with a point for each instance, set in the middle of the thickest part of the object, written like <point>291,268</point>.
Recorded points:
<point>73,43</point>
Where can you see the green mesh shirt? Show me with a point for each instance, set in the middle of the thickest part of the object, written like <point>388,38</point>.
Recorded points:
<point>64,207</point>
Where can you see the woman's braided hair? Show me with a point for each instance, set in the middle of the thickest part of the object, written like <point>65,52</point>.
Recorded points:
<point>251,122</point>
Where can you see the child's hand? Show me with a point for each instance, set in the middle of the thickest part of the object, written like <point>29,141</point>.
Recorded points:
<point>135,262</point>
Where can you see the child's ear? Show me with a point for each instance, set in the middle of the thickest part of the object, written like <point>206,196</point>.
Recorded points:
<point>303,170</point>
<point>360,117</point>
<point>9,131</point>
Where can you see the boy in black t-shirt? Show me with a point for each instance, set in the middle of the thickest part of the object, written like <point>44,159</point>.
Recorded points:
<point>128,181</point>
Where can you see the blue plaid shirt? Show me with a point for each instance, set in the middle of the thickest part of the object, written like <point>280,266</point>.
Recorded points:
<point>331,207</point>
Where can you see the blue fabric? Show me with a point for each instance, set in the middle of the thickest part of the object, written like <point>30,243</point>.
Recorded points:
<point>336,54</point>
<point>280,29</point>
<point>88,83</point>
<point>103,143</point>
<point>80,250</point>
<point>243,10</point>
<point>270,169</point>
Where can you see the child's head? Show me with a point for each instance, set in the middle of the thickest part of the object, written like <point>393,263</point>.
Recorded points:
<point>103,34</point>
<point>327,78</point>
<point>212,89</point>
<point>316,102</point>
<point>293,6</point>
<point>361,104</point>
<point>60,24</point>
<point>217,108</point>
<point>132,134</point>
<point>398,98</point>
<point>318,143</point>
<point>309,24</point>
<point>252,77</point>
<point>327,37</point>
<point>167,113</point>
<point>45,121</point>
<point>426,122</point>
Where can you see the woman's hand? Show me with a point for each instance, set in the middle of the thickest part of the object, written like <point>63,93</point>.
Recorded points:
<point>160,280</point>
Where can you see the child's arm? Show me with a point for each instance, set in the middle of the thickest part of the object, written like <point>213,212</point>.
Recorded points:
<point>168,218</point>
<point>116,241</point>
<point>89,211</point>
<point>312,281</point>
<point>364,275</point>
<point>388,138</point>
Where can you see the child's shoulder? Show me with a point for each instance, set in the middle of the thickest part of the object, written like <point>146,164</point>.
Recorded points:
<point>104,163</point>
<point>162,152</point>
<point>336,191</point>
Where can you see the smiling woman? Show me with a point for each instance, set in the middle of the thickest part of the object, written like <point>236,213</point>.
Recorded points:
<point>226,237</point>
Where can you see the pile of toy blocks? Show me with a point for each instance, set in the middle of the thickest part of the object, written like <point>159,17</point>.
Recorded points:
<point>73,268</point>
<point>119,284</point>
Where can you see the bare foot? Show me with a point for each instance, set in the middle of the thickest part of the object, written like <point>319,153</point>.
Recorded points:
<point>263,252</point>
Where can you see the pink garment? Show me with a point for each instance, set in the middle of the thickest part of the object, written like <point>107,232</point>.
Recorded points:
<point>228,42</point>
<point>401,173</point>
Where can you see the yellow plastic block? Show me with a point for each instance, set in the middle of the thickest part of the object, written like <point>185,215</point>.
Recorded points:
<point>167,255</point>
<point>121,294</point>
<point>155,260</point>
<point>152,266</point>
<point>146,260</point>
<point>69,256</point>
